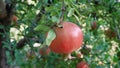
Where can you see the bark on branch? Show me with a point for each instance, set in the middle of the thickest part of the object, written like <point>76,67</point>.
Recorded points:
<point>6,12</point>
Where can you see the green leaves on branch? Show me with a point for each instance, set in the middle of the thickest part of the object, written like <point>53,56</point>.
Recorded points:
<point>42,28</point>
<point>50,34</point>
<point>55,19</point>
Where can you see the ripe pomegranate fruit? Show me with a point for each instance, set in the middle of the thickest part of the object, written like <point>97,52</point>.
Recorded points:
<point>14,18</point>
<point>82,65</point>
<point>110,33</point>
<point>93,25</point>
<point>44,50</point>
<point>68,39</point>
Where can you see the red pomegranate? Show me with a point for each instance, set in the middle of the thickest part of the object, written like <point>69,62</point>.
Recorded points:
<point>68,39</point>
<point>14,18</point>
<point>110,33</point>
<point>82,65</point>
<point>44,51</point>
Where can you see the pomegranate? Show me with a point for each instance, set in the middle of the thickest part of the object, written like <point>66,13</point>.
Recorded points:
<point>68,39</point>
<point>110,33</point>
<point>44,51</point>
<point>14,18</point>
<point>82,65</point>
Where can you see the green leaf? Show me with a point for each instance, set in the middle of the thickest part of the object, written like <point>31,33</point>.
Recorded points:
<point>48,8</point>
<point>54,19</point>
<point>1,26</point>
<point>41,28</point>
<point>71,12</point>
<point>50,37</point>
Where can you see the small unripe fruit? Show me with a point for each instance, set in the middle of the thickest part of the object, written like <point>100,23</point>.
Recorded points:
<point>14,18</point>
<point>44,51</point>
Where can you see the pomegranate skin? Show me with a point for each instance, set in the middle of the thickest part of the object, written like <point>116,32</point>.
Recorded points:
<point>68,39</point>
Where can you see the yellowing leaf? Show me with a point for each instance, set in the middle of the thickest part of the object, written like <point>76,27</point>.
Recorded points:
<point>71,12</point>
<point>50,37</point>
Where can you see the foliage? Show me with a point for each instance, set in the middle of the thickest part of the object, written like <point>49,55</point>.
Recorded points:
<point>99,50</point>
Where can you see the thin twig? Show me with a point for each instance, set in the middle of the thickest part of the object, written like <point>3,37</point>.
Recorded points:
<point>63,11</point>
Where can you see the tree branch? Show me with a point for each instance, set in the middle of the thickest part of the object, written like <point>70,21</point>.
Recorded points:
<point>117,30</point>
<point>23,41</point>
<point>6,12</point>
